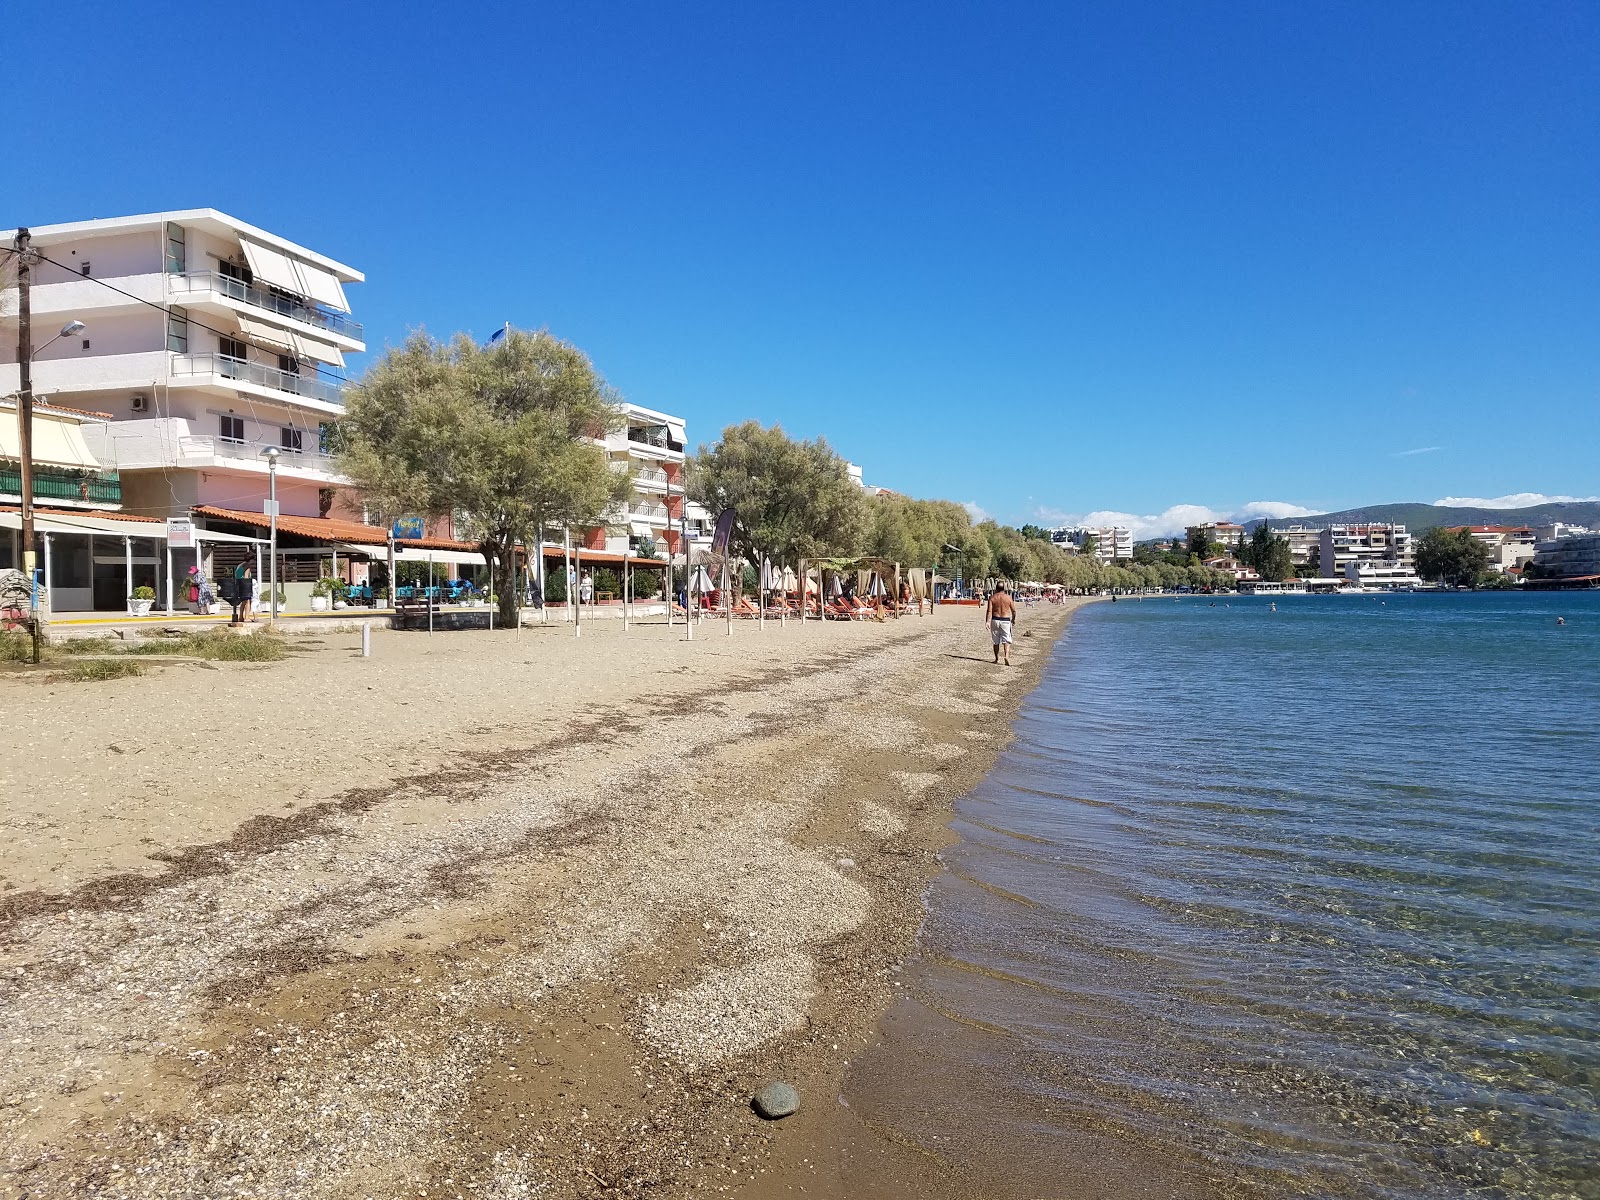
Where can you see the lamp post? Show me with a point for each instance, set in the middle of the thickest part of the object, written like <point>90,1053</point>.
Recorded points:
<point>25,353</point>
<point>958,552</point>
<point>271,455</point>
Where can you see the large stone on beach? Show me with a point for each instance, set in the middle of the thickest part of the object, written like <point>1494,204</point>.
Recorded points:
<point>776,1100</point>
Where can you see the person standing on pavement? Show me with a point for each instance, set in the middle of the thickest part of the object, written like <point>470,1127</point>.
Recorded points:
<point>1001,615</point>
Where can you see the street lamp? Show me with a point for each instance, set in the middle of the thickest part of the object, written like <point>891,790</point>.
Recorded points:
<point>271,455</point>
<point>25,353</point>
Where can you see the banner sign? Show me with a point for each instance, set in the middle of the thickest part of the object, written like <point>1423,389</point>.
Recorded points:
<point>180,533</point>
<point>408,528</point>
<point>724,532</point>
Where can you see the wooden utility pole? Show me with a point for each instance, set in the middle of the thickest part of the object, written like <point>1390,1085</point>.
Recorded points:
<point>25,422</point>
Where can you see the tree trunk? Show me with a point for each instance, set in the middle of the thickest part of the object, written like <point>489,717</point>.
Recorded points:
<point>503,572</point>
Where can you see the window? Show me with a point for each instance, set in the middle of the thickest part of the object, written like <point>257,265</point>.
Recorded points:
<point>177,251</point>
<point>232,348</point>
<point>178,330</point>
<point>84,269</point>
<point>288,364</point>
<point>85,343</point>
<point>293,440</point>
<point>233,429</point>
<point>324,436</point>
<point>234,271</point>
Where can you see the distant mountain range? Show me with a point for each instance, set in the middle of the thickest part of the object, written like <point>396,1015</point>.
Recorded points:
<point>1417,517</point>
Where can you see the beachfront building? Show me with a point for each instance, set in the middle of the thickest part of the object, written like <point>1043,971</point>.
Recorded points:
<point>1571,561</point>
<point>1509,546</point>
<point>1381,576</point>
<point>652,444</point>
<point>1305,544</point>
<point>1227,534</point>
<point>207,340</point>
<point>1229,565</point>
<point>1378,543</point>
<point>1111,542</point>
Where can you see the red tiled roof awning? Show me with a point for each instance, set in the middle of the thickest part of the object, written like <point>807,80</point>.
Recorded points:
<point>330,529</point>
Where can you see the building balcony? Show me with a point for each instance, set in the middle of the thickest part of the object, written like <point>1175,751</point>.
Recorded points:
<point>71,489</point>
<point>191,287</point>
<point>235,371</point>
<point>654,442</point>
<point>166,443</point>
<point>650,514</point>
<point>650,479</point>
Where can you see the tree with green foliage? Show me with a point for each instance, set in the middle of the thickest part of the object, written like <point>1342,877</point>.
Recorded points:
<point>1268,553</point>
<point>1451,556</point>
<point>506,437</point>
<point>789,498</point>
<point>1038,532</point>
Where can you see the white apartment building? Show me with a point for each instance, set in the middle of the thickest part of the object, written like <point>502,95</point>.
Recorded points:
<point>1111,542</point>
<point>1508,545</point>
<point>207,340</point>
<point>1379,576</point>
<point>653,444</point>
<point>1305,541</point>
<point>1378,543</point>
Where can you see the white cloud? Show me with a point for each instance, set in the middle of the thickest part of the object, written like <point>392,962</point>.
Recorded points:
<point>974,511</point>
<point>1418,450</point>
<point>1514,500</point>
<point>1278,510</point>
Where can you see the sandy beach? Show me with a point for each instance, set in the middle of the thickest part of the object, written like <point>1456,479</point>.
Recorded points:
<point>502,914</point>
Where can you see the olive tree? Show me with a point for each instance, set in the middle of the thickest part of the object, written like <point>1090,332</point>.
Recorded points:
<point>506,437</point>
<point>789,498</point>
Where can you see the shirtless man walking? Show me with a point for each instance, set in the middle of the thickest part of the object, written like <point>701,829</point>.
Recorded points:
<point>1001,615</point>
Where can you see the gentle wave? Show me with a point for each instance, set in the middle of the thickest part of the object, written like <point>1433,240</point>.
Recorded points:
<point>1313,896</point>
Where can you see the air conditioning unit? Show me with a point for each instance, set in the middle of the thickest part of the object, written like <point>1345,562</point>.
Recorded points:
<point>141,404</point>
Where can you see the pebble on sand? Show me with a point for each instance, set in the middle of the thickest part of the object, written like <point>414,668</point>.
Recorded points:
<point>776,1100</point>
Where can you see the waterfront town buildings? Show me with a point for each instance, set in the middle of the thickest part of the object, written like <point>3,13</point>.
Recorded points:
<point>1571,560</point>
<point>207,342</point>
<point>1111,542</point>
<point>1510,547</point>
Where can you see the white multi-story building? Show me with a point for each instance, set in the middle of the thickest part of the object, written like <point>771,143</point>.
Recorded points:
<point>1111,542</point>
<point>1508,545</point>
<point>207,340</point>
<point>652,444</point>
<point>1305,543</point>
<point>1378,543</point>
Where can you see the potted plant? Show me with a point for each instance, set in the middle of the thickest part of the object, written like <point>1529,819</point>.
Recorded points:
<point>139,603</point>
<point>340,594</point>
<point>321,591</point>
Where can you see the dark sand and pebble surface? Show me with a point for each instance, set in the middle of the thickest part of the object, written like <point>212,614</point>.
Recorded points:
<point>503,914</point>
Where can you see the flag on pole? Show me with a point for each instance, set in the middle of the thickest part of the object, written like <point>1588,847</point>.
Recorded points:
<point>499,335</point>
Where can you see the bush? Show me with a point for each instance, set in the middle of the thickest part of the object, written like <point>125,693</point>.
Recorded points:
<point>607,580</point>
<point>96,669</point>
<point>646,585</point>
<point>15,646</point>
<point>555,585</point>
<point>144,592</point>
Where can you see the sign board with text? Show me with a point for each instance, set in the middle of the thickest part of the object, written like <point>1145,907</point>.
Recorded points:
<point>408,527</point>
<point>180,533</point>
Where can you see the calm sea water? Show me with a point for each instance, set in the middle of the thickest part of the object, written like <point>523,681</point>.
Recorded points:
<point>1302,902</point>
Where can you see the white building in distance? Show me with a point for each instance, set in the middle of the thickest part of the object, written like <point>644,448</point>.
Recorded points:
<point>1111,542</point>
<point>207,340</point>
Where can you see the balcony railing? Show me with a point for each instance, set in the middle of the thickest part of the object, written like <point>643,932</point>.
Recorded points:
<point>103,487</point>
<point>649,512</point>
<point>208,446</point>
<point>294,310</point>
<point>312,386</point>
<point>651,475</point>
<point>654,437</point>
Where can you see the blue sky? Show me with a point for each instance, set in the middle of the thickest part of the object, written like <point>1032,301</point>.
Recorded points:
<point>1047,259</point>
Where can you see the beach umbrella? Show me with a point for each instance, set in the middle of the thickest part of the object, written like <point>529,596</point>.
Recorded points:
<point>702,581</point>
<point>835,588</point>
<point>789,579</point>
<point>771,577</point>
<point>875,586</point>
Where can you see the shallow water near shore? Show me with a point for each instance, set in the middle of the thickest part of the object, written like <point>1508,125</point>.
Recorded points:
<point>1260,903</point>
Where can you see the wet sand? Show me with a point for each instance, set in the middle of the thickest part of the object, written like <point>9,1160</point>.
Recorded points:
<point>499,915</point>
